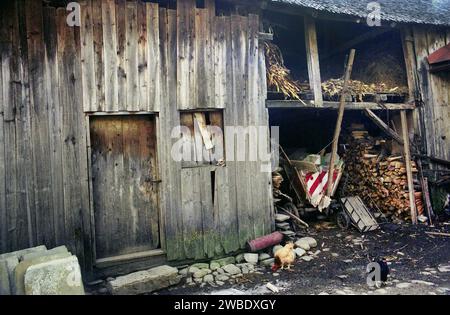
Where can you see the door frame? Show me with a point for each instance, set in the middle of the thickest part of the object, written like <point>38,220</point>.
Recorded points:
<point>155,255</point>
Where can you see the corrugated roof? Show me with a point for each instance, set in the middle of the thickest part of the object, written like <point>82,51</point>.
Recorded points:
<point>435,12</point>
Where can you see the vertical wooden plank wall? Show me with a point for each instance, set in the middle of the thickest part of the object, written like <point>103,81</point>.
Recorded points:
<point>44,197</point>
<point>435,93</point>
<point>137,57</point>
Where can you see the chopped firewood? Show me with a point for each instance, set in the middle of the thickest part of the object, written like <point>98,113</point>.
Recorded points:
<point>381,181</point>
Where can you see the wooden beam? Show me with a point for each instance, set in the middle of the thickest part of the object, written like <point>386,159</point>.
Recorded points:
<point>337,131</point>
<point>335,105</point>
<point>410,62</point>
<point>312,58</point>
<point>383,126</point>
<point>265,36</point>
<point>302,11</point>
<point>407,156</point>
<point>434,159</point>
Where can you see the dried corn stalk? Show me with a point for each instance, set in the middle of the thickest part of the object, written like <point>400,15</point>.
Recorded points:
<point>278,76</point>
<point>333,87</point>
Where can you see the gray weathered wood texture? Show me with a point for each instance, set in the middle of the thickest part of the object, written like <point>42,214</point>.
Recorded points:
<point>435,92</point>
<point>124,180</point>
<point>126,57</point>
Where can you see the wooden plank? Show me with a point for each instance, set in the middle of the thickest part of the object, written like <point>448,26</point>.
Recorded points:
<point>92,244</point>
<point>201,123</point>
<point>55,120</point>
<point>23,130</point>
<point>87,56</point>
<point>225,198</point>
<point>421,53</point>
<point>210,6</point>
<point>337,131</point>
<point>117,260</point>
<point>226,177</point>
<point>410,62</point>
<point>154,60</point>
<point>217,139</point>
<point>186,74</point>
<point>40,128</point>
<point>142,47</point>
<point>170,170</point>
<point>7,66</point>
<point>220,62</point>
<point>312,58</point>
<point>132,57</point>
<point>192,213</point>
<point>439,92</point>
<point>7,133</point>
<point>201,60</point>
<point>335,105</point>
<point>110,55</point>
<point>208,211</point>
<point>74,155</point>
<point>267,194</point>
<point>121,29</point>
<point>98,55</point>
<point>254,177</point>
<point>187,120</point>
<point>3,212</point>
<point>239,28</point>
<point>383,126</point>
<point>407,156</point>
<point>158,171</point>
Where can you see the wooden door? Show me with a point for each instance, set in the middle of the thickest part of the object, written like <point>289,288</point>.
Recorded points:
<point>124,184</point>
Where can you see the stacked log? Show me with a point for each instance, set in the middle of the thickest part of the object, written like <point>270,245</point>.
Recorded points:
<point>378,178</point>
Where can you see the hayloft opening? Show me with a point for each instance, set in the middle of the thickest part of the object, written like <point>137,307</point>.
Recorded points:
<point>379,71</point>
<point>379,64</point>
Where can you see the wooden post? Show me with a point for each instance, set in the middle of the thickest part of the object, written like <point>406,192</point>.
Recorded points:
<point>337,131</point>
<point>407,156</point>
<point>410,62</point>
<point>312,56</point>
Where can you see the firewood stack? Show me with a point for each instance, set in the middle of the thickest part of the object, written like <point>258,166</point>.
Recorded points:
<point>377,177</point>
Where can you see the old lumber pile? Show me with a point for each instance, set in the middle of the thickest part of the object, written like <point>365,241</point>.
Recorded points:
<point>377,177</point>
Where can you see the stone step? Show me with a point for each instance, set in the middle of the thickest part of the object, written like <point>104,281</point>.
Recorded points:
<point>145,281</point>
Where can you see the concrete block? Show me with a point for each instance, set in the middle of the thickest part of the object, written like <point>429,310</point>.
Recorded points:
<point>56,277</point>
<point>7,266</point>
<point>144,281</point>
<point>4,279</point>
<point>20,253</point>
<point>18,281</point>
<point>56,250</point>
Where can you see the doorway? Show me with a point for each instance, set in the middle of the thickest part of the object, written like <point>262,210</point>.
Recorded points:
<point>125,185</point>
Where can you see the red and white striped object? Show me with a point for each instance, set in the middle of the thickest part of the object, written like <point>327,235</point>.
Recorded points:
<point>316,184</point>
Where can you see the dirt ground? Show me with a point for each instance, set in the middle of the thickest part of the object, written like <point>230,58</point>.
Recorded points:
<point>414,259</point>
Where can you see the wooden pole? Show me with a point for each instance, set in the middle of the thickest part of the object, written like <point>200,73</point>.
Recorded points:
<point>337,131</point>
<point>383,126</point>
<point>407,156</point>
<point>312,58</point>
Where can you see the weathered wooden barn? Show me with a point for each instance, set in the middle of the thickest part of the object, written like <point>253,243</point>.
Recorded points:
<point>88,113</point>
